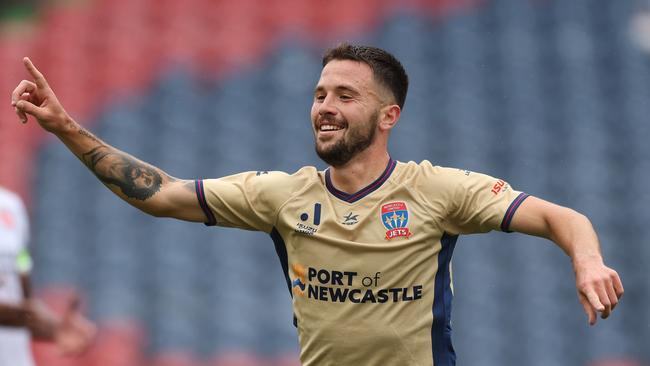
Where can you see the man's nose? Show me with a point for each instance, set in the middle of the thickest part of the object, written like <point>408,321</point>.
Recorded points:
<point>327,107</point>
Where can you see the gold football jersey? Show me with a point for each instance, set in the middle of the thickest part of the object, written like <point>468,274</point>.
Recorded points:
<point>369,272</point>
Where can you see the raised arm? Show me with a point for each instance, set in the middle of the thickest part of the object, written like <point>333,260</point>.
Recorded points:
<point>599,287</point>
<point>138,183</point>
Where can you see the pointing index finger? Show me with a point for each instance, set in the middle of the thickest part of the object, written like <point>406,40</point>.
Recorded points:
<point>39,79</point>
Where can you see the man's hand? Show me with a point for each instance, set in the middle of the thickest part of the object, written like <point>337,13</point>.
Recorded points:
<point>36,98</point>
<point>599,287</point>
<point>75,333</point>
<point>72,333</point>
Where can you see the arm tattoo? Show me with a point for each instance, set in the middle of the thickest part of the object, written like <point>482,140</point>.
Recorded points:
<point>135,179</point>
<point>87,133</point>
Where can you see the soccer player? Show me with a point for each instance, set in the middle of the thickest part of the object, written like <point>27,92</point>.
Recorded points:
<point>21,314</point>
<point>366,244</point>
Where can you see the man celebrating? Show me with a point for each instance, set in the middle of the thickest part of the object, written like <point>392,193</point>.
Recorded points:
<point>366,244</point>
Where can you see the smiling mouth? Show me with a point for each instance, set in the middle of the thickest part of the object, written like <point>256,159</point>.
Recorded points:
<point>328,127</point>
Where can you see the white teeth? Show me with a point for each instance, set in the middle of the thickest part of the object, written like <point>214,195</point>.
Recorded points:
<point>329,128</point>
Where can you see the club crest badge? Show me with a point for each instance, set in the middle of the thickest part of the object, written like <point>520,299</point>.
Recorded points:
<point>395,217</point>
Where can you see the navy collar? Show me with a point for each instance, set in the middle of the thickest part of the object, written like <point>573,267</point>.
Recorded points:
<point>350,198</point>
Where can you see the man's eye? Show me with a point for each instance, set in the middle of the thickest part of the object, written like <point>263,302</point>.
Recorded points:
<point>345,97</point>
<point>319,98</point>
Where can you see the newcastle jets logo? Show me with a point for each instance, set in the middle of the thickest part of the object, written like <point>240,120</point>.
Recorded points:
<point>350,219</point>
<point>395,217</point>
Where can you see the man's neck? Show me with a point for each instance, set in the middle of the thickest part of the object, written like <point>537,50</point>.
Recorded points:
<point>359,172</point>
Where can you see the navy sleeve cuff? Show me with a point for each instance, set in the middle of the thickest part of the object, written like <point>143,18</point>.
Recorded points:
<point>200,195</point>
<point>510,213</point>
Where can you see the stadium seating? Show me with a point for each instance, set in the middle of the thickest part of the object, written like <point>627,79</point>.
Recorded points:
<point>547,95</point>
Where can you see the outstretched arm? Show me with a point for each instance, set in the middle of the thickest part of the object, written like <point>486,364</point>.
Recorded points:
<point>138,183</point>
<point>599,287</point>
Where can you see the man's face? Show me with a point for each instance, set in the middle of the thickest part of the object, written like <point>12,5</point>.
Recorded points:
<point>345,111</point>
<point>141,177</point>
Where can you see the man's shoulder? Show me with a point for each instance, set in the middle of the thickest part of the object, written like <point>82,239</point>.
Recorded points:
<point>304,175</point>
<point>278,185</point>
<point>440,180</point>
<point>426,168</point>
<point>9,198</point>
<point>307,172</point>
<point>433,180</point>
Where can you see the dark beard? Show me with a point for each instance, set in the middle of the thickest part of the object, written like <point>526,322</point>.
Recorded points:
<point>343,151</point>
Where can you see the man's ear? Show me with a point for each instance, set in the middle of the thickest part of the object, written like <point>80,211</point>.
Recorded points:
<point>389,115</point>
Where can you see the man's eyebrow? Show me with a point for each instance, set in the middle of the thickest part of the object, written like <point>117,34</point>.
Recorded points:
<point>348,89</point>
<point>339,88</point>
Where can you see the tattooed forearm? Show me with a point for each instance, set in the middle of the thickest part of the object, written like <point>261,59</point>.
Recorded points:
<point>87,133</point>
<point>94,156</point>
<point>134,178</point>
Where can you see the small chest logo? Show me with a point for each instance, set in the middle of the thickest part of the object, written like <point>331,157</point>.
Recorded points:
<point>305,227</point>
<point>350,219</point>
<point>395,217</point>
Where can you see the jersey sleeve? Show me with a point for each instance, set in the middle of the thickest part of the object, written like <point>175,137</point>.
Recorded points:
<point>475,202</point>
<point>248,201</point>
<point>23,263</point>
<point>482,203</point>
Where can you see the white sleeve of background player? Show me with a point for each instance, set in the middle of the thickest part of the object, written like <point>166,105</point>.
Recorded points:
<point>481,203</point>
<point>247,200</point>
<point>23,260</point>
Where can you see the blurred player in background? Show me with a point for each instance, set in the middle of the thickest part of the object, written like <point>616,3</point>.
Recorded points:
<point>366,244</point>
<point>22,316</point>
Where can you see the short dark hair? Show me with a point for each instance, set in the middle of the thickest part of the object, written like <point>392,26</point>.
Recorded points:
<point>386,69</point>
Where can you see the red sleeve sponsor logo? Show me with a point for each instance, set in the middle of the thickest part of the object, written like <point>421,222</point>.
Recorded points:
<point>498,186</point>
